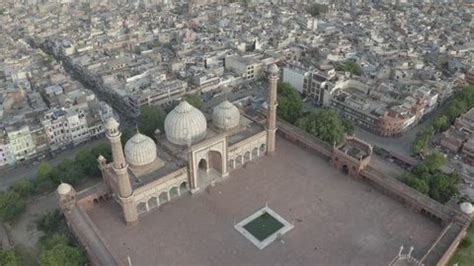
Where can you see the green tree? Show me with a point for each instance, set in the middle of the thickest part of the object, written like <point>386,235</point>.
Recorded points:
<point>455,109</point>
<point>51,222</point>
<point>9,258</point>
<point>434,161</point>
<point>86,159</point>
<point>442,188</point>
<point>441,123</point>
<point>44,169</point>
<point>467,94</point>
<point>325,124</point>
<point>150,119</point>
<point>194,100</point>
<point>419,184</point>
<point>53,239</point>
<point>102,149</point>
<point>351,67</point>
<point>127,133</point>
<point>422,140</point>
<point>67,171</point>
<point>11,206</point>
<point>290,103</point>
<point>62,254</point>
<point>317,10</point>
<point>24,188</point>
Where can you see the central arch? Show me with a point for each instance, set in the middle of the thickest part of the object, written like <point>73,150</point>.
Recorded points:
<point>208,163</point>
<point>209,168</point>
<point>215,161</point>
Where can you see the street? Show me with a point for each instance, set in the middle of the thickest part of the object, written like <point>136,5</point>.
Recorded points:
<point>402,144</point>
<point>10,176</point>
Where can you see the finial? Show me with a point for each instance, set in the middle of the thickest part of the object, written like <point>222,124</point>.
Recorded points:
<point>401,250</point>
<point>136,128</point>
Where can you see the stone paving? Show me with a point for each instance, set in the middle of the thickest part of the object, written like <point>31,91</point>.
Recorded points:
<point>337,220</point>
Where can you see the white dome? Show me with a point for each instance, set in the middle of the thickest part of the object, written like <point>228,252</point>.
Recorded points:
<point>185,122</point>
<point>140,150</point>
<point>273,69</point>
<point>111,124</point>
<point>467,208</point>
<point>225,116</point>
<point>64,189</point>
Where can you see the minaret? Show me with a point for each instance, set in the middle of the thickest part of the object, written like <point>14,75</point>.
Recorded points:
<point>273,75</point>
<point>120,167</point>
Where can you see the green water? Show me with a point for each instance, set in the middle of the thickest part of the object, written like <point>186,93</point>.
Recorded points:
<point>263,226</point>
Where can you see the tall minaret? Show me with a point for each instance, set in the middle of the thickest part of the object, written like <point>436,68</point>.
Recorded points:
<point>273,75</point>
<point>120,167</point>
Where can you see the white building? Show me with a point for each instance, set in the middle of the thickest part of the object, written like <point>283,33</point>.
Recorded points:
<point>78,129</point>
<point>56,127</point>
<point>6,155</point>
<point>21,142</point>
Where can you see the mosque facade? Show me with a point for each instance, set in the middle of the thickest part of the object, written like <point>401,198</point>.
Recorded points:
<point>191,154</point>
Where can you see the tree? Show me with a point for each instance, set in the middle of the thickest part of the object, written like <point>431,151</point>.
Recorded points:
<point>422,140</point>
<point>455,109</point>
<point>417,183</point>
<point>441,123</point>
<point>325,124</point>
<point>102,149</point>
<point>317,10</point>
<point>62,254</point>
<point>67,171</point>
<point>194,100</point>
<point>52,240</point>
<point>290,103</point>
<point>127,133</point>
<point>11,206</point>
<point>24,188</point>
<point>150,119</point>
<point>44,169</point>
<point>350,66</point>
<point>9,258</point>
<point>467,94</point>
<point>442,188</point>
<point>50,222</point>
<point>434,161</point>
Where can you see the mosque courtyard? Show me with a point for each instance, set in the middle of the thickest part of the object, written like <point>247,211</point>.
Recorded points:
<point>337,220</point>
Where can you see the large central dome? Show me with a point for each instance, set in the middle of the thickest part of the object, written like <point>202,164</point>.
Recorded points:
<point>140,150</point>
<point>184,124</point>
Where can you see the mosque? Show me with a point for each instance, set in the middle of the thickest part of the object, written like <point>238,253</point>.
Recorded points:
<point>189,157</point>
<point>198,150</point>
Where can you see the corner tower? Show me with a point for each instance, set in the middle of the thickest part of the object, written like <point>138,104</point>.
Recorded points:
<point>273,75</point>
<point>120,167</point>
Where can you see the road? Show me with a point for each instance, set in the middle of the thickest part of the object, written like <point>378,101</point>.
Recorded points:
<point>10,176</point>
<point>400,145</point>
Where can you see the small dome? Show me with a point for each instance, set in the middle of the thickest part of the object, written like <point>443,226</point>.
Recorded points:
<point>225,116</point>
<point>140,150</point>
<point>467,208</point>
<point>64,188</point>
<point>111,124</point>
<point>185,123</point>
<point>274,69</point>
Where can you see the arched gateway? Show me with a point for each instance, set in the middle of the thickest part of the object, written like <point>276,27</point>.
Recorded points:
<point>209,162</point>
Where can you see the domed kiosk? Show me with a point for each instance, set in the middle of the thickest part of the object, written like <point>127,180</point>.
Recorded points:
<point>140,150</point>
<point>467,208</point>
<point>225,116</point>
<point>184,124</point>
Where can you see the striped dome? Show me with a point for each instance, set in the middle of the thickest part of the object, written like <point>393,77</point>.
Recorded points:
<point>140,150</point>
<point>185,123</point>
<point>225,116</point>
